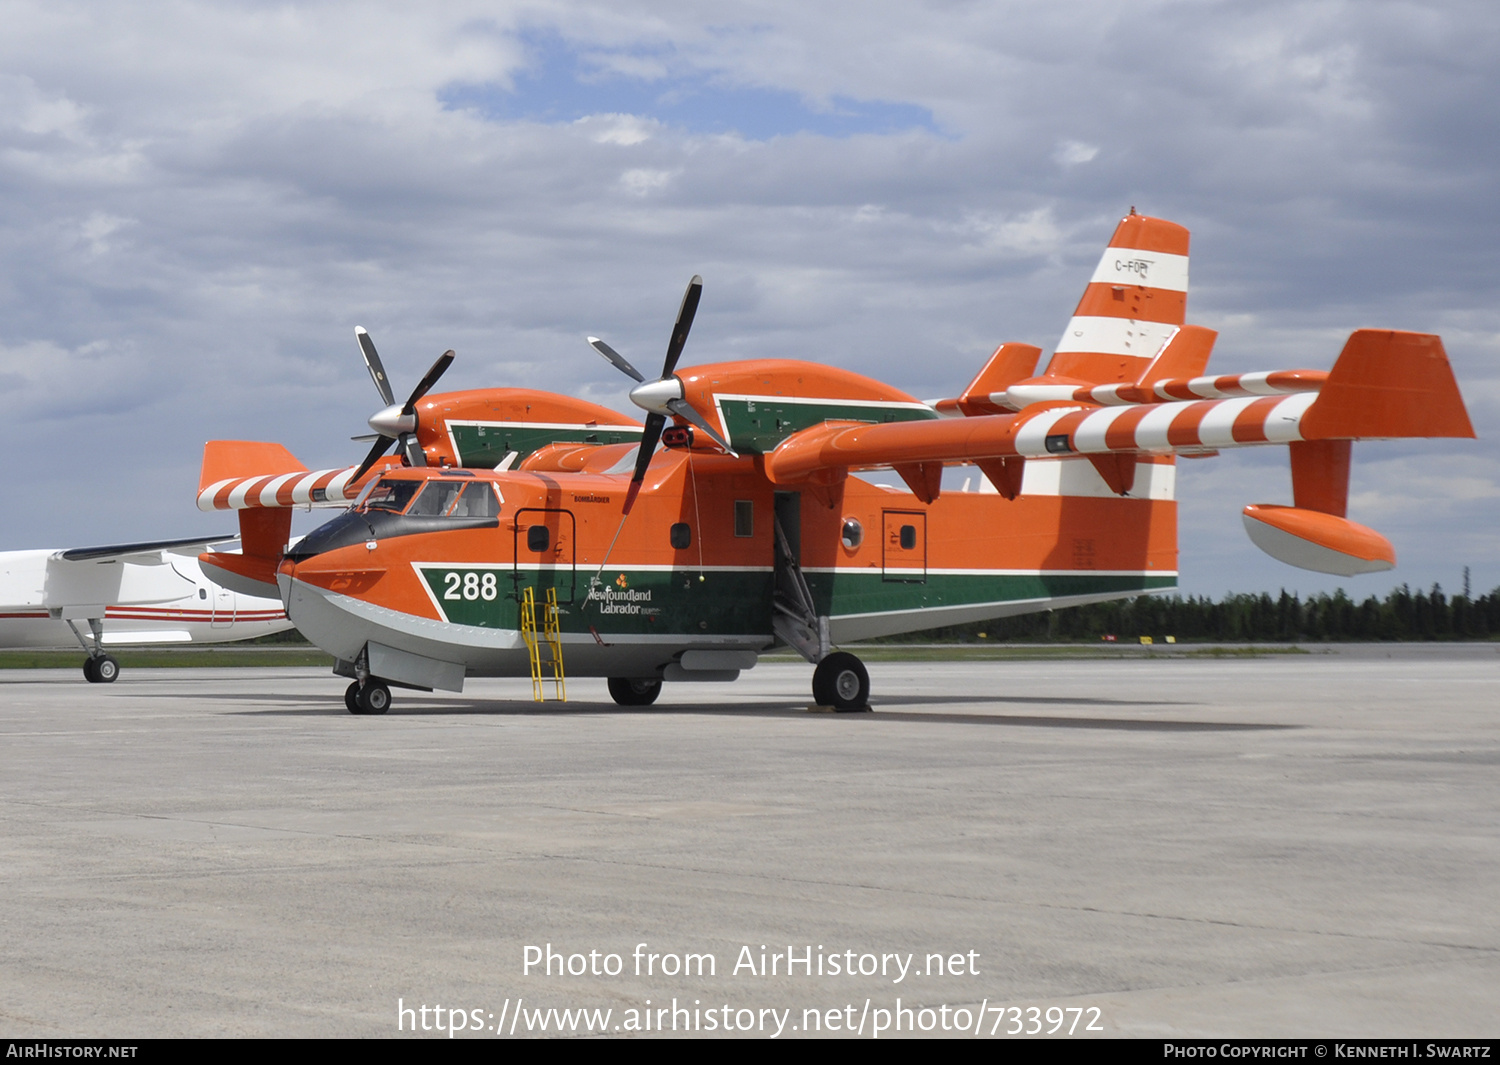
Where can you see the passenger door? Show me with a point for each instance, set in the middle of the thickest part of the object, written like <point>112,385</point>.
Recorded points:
<point>544,553</point>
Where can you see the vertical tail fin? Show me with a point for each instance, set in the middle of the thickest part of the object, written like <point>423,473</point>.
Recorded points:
<point>1138,294</point>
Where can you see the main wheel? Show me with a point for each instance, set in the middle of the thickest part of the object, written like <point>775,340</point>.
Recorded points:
<point>351,698</point>
<point>88,671</point>
<point>841,681</point>
<point>106,669</point>
<point>634,691</point>
<point>374,697</point>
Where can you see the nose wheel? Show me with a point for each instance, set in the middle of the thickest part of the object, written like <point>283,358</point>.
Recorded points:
<point>842,682</point>
<point>373,698</point>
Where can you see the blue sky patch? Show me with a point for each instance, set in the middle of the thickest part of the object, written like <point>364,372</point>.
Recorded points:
<point>562,84</point>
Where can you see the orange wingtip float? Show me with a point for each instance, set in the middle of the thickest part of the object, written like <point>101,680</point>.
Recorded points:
<point>513,531</point>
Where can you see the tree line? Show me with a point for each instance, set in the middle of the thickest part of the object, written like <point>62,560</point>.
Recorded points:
<point>1402,615</point>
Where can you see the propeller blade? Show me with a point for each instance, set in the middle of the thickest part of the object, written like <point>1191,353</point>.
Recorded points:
<point>413,450</point>
<point>372,363</point>
<point>655,423</point>
<point>685,314</point>
<point>381,443</point>
<point>621,363</point>
<point>683,409</point>
<point>443,362</point>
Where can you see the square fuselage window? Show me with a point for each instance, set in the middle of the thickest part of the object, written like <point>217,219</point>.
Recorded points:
<point>682,536</point>
<point>744,517</point>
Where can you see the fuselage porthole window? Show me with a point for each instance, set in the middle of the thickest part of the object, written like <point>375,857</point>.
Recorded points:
<point>536,538</point>
<point>682,536</point>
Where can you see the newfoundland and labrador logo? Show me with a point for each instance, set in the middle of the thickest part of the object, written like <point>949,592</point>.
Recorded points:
<point>618,598</point>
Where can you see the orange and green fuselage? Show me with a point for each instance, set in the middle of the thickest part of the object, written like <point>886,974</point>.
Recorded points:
<point>693,566</point>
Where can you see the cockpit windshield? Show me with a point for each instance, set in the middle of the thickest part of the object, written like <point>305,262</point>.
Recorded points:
<point>392,495</point>
<point>437,498</point>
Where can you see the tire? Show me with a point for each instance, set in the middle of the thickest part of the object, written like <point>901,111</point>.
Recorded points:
<point>841,681</point>
<point>634,691</point>
<point>351,698</point>
<point>374,697</point>
<point>88,671</point>
<point>106,669</point>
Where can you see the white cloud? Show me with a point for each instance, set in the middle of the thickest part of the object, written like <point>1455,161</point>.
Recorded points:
<point>1074,153</point>
<point>202,201</point>
<point>624,130</point>
<point>643,182</point>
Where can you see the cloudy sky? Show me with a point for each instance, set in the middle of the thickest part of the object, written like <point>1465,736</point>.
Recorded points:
<point>200,201</point>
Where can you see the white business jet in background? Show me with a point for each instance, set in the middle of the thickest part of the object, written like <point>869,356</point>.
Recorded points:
<point>124,595</point>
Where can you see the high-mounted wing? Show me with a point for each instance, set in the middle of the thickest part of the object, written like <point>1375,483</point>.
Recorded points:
<point>1385,385</point>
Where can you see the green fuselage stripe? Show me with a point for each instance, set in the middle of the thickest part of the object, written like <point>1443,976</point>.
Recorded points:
<point>738,602</point>
<point>483,447</point>
<point>759,425</point>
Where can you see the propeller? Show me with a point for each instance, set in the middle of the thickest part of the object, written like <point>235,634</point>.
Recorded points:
<point>395,425</point>
<point>663,396</point>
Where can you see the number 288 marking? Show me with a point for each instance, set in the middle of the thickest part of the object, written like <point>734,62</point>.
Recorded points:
<point>469,586</point>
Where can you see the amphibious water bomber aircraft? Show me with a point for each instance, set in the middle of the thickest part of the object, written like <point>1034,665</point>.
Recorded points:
<point>745,530</point>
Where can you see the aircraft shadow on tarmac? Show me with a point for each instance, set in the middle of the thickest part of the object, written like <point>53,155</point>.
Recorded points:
<point>413,706</point>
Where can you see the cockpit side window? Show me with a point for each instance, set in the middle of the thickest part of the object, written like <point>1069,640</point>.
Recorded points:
<point>478,501</point>
<point>392,495</point>
<point>436,500</point>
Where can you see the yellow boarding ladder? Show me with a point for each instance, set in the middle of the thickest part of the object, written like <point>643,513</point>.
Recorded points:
<point>550,636</point>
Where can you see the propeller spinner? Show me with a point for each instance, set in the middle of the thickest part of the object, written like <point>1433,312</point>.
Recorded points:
<point>395,424</point>
<point>664,396</point>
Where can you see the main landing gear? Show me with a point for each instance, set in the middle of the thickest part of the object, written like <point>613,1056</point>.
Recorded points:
<point>373,698</point>
<point>634,691</point>
<point>98,667</point>
<point>842,682</point>
<point>100,670</point>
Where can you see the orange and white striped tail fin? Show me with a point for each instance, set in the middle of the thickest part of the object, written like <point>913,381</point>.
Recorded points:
<point>1134,302</point>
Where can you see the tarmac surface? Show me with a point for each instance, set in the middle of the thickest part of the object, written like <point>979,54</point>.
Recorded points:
<point>1291,845</point>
